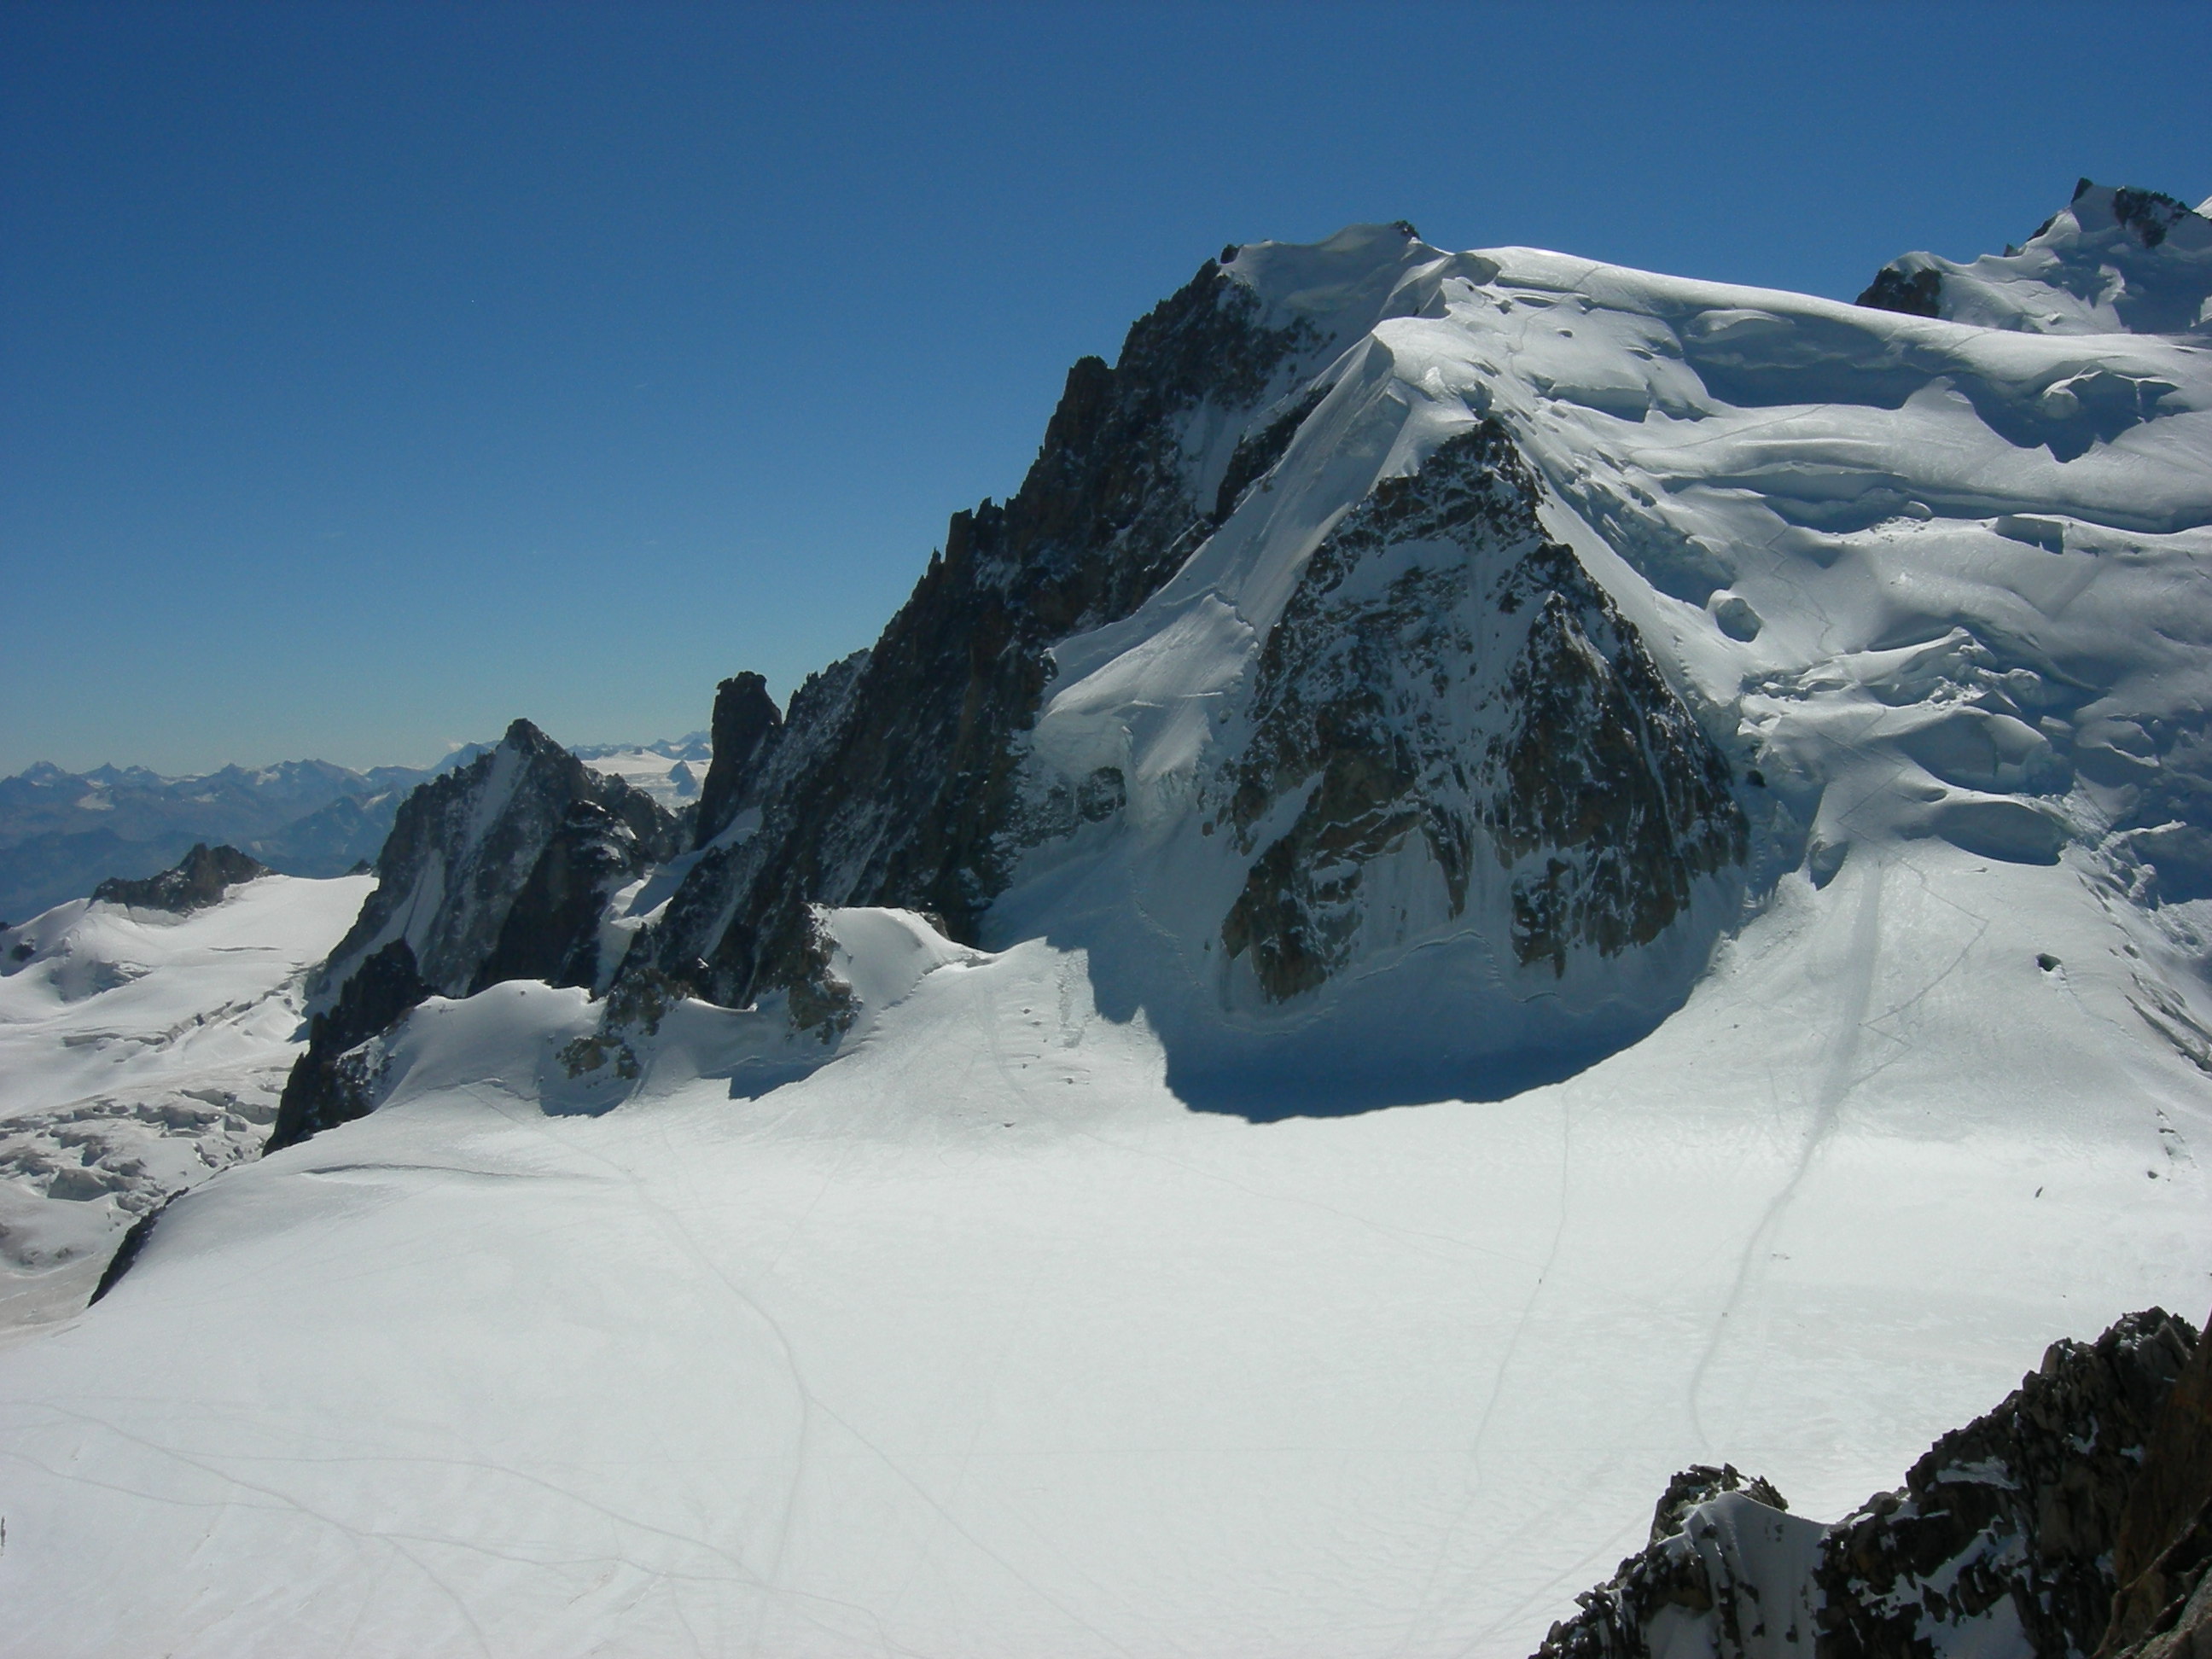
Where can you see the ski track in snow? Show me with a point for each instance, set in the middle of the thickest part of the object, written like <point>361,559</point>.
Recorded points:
<point>1474,1481</point>
<point>975,1337</point>
<point>965,1042</point>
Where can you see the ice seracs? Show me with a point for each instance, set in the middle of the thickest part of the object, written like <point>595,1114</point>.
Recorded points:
<point>1731,764</point>
<point>142,1049</point>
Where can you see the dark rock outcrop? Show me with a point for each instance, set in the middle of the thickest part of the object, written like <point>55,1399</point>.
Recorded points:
<point>1255,455</point>
<point>198,880</point>
<point>2010,1536</point>
<point>2148,214</point>
<point>552,928</point>
<point>1489,699</point>
<point>500,870</point>
<point>892,782</point>
<point>128,1249</point>
<point>2020,1507</point>
<point>333,1082</point>
<point>1918,293</point>
<point>746,725</point>
<point>2162,1559</point>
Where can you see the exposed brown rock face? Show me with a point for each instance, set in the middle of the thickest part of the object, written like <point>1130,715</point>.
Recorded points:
<point>2009,1537</point>
<point>2020,1507</point>
<point>1445,670</point>
<point>198,880</point>
<point>2163,1558</point>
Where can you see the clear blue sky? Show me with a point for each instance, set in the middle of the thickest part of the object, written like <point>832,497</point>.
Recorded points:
<point>370,374</point>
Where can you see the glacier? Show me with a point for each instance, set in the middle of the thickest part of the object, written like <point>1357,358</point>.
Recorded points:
<point>1731,986</point>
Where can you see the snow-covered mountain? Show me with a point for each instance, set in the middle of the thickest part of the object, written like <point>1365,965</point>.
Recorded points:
<point>1400,669</point>
<point>1732,765</point>
<point>62,833</point>
<point>670,770</point>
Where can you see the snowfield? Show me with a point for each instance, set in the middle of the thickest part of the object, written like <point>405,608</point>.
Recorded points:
<point>1048,1307</point>
<point>139,1051</point>
<point>977,1341</point>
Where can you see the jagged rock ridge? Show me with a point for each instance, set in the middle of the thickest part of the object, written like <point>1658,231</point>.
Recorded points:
<point>910,754</point>
<point>199,879</point>
<point>501,870</point>
<point>2001,1543</point>
<point>1445,669</point>
<point>1340,622</point>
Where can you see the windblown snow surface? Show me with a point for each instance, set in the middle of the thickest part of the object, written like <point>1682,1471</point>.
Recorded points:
<point>139,1052</point>
<point>967,1334</point>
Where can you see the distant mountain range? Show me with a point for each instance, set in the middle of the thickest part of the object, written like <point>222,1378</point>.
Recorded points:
<point>62,833</point>
<point>1730,771</point>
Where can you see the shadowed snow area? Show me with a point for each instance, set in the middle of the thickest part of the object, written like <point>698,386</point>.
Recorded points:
<point>1782,1116</point>
<point>975,1340</point>
<point>1909,584</point>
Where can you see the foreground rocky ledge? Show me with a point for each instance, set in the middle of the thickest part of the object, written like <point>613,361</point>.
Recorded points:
<point>2075,1519</point>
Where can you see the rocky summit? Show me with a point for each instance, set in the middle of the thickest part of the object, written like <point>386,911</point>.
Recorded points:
<point>503,869</point>
<point>1501,876</point>
<point>200,878</point>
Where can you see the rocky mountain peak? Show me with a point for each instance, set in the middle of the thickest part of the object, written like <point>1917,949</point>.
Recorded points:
<point>746,723</point>
<point>894,783</point>
<point>198,880</point>
<point>502,869</point>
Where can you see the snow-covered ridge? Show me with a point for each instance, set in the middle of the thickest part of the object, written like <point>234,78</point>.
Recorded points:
<point>1897,565</point>
<point>1401,641</point>
<point>2110,261</point>
<point>1732,763</point>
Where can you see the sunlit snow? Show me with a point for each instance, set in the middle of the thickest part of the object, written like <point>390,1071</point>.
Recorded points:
<point>965,1333</point>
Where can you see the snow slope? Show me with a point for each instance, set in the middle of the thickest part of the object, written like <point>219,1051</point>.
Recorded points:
<point>916,1310</point>
<point>1911,578</point>
<point>139,1052</point>
<point>975,1342</point>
